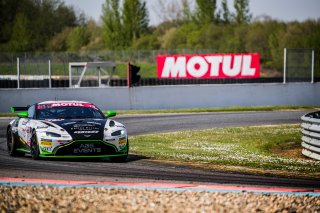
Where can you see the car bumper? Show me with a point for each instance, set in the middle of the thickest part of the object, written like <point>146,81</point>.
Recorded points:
<point>86,149</point>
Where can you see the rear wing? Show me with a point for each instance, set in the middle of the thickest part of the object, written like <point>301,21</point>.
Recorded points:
<point>17,109</point>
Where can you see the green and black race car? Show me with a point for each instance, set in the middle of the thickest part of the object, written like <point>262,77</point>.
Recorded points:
<point>66,129</point>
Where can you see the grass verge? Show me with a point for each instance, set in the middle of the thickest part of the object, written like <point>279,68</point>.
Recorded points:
<point>258,149</point>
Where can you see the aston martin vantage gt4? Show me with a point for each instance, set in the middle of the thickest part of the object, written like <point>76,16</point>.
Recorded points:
<point>66,129</point>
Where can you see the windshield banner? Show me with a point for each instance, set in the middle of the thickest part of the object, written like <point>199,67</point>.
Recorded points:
<point>209,66</point>
<point>65,104</point>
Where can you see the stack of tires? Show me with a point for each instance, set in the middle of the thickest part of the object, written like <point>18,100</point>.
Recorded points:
<point>311,135</point>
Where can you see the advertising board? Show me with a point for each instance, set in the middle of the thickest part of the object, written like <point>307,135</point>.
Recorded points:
<point>209,66</point>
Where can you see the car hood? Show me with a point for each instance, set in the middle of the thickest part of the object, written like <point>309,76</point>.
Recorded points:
<point>83,129</point>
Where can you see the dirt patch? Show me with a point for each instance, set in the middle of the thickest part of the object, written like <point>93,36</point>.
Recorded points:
<point>290,150</point>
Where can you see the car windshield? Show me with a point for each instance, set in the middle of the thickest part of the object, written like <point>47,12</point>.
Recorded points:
<point>69,112</point>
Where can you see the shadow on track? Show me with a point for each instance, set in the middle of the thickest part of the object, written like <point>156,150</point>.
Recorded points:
<point>131,158</point>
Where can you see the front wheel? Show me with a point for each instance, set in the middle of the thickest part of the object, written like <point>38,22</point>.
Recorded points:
<point>34,147</point>
<point>12,145</point>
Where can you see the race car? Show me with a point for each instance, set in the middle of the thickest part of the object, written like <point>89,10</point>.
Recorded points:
<point>66,129</point>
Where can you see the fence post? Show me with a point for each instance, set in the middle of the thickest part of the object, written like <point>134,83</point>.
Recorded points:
<point>70,76</point>
<point>284,65</point>
<point>99,76</point>
<point>18,73</point>
<point>312,67</point>
<point>50,74</point>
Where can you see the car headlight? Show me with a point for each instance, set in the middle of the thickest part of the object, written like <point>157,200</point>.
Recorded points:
<point>52,134</point>
<point>117,133</point>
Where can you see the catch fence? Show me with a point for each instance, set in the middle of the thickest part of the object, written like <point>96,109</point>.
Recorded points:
<point>44,70</point>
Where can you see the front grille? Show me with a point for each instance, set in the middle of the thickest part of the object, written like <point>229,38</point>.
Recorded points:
<point>85,148</point>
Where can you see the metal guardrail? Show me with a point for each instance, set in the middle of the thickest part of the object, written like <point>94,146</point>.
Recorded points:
<point>311,135</point>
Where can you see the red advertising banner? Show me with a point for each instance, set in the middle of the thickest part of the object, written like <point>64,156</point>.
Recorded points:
<point>209,66</point>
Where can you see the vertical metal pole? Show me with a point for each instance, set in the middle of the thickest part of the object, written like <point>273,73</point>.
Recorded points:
<point>312,67</point>
<point>70,81</point>
<point>99,76</point>
<point>110,76</point>
<point>18,73</point>
<point>284,65</point>
<point>128,76</point>
<point>49,73</point>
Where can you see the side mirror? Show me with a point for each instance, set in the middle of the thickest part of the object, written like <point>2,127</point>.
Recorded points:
<point>23,114</point>
<point>110,113</point>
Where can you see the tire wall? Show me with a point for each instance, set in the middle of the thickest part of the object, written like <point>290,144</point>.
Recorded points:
<point>310,140</point>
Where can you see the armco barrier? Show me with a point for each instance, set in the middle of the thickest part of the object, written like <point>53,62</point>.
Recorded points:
<point>171,96</point>
<point>311,135</point>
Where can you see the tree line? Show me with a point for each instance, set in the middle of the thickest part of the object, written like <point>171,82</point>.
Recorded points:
<point>50,25</point>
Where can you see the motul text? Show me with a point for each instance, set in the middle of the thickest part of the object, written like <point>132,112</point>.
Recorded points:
<point>209,66</point>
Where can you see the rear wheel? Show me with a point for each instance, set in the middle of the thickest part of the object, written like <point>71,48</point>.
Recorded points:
<point>12,145</point>
<point>34,147</point>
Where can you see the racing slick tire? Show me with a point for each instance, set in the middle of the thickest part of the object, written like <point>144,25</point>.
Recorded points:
<point>12,145</point>
<point>34,147</point>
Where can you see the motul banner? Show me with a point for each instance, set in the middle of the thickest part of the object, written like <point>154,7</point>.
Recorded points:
<point>209,66</point>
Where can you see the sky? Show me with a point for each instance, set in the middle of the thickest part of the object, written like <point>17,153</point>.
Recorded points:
<point>284,10</point>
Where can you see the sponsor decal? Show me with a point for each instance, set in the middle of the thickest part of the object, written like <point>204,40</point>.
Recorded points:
<point>46,143</point>
<point>46,139</point>
<point>47,148</point>
<point>209,66</point>
<point>65,104</point>
<point>63,141</point>
<point>122,141</point>
<point>86,148</point>
<point>85,129</point>
<point>86,132</point>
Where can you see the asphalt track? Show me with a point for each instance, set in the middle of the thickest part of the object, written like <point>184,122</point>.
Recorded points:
<point>140,168</point>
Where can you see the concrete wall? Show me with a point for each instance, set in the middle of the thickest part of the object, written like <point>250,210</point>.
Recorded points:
<point>171,97</point>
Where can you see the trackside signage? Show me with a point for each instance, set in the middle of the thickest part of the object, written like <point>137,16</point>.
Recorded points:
<point>209,66</point>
